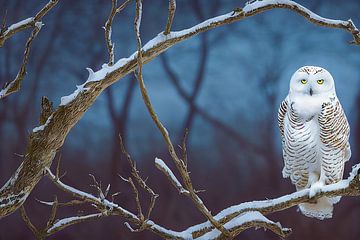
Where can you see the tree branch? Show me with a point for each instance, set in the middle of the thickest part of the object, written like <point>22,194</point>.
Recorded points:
<point>236,218</point>
<point>191,193</point>
<point>26,23</point>
<point>171,13</point>
<point>35,22</point>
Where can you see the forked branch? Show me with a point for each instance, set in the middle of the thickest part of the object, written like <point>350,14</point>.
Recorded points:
<point>6,33</point>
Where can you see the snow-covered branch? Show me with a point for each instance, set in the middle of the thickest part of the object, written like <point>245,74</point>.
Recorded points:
<point>235,219</point>
<point>5,33</point>
<point>8,32</point>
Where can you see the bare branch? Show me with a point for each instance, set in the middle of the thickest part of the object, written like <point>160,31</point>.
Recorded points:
<point>108,30</point>
<point>140,181</point>
<point>171,13</point>
<point>178,162</point>
<point>123,5</point>
<point>29,224</point>
<point>137,200</point>
<point>3,24</point>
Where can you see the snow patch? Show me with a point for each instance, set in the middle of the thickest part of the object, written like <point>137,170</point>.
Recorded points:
<point>42,127</point>
<point>67,99</point>
<point>19,24</point>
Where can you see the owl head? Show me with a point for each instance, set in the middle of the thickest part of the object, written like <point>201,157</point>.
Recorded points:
<point>312,81</point>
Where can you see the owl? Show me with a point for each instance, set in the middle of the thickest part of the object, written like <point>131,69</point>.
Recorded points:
<point>315,137</point>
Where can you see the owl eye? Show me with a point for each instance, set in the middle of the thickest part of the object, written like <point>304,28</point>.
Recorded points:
<point>320,81</point>
<point>303,81</point>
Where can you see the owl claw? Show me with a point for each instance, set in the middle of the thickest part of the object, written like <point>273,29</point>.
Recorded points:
<point>315,188</point>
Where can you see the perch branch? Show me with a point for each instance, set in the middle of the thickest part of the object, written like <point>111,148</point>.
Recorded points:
<point>236,218</point>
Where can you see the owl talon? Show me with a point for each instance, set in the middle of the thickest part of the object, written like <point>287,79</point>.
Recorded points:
<point>315,188</point>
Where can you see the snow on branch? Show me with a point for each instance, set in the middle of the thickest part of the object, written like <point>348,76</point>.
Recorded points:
<point>8,32</point>
<point>346,187</point>
<point>248,220</point>
<point>235,219</point>
<point>35,22</point>
<point>170,175</point>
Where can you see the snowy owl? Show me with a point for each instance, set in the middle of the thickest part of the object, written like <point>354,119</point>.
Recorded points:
<point>315,137</point>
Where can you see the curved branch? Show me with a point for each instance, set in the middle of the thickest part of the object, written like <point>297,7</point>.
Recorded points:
<point>46,140</point>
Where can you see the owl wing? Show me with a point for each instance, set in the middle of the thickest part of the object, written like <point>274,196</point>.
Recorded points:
<point>281,116</point>
<point>295,136</point>
<point>334,134</point>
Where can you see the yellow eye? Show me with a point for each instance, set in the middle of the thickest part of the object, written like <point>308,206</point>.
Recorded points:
<point>320,81</point>
<point>303,81</point>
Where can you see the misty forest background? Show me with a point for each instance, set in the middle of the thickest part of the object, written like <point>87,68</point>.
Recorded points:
<point>225,86</point>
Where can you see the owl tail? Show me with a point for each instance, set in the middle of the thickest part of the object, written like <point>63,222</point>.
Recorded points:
<point>322,209</point>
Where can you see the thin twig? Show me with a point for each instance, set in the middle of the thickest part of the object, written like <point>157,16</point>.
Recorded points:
<point>178,162</point>
<point>108,30</point>
<point>15,84</point>
<point>39,235</point>
<point>27,23</point>
<point>171,13</point>
<point>139,179</point>
<point>123,5</point>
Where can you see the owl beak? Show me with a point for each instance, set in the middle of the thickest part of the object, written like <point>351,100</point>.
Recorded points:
<point>311,92</point>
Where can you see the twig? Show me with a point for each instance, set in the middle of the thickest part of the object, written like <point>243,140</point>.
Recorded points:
<point>107,27</point>
<point>29,224</point>
<point>184,149</point>
<point>123,5</point>
<point>3,24</point>
<point>171,13</point>
<point>178,162</point>
<point>139,179</point>
<point>15,84</point>
<point>35,22</point>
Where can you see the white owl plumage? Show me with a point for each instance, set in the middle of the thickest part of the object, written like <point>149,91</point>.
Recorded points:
<point>315,136</point>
